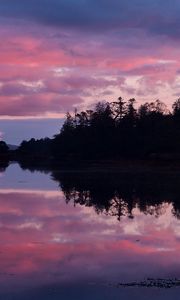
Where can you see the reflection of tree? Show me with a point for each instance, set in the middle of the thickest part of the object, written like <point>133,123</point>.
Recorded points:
<point>176,210</point>
<point>119,195</point>
<point>3,165</point>
<point>156,210</point>
<point>118,207</point>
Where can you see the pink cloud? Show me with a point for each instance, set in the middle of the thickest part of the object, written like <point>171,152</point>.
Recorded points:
<point>77,69</point>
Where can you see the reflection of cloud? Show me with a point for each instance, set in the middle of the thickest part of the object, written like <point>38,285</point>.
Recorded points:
<point>41,234</point>
<point>163,249</point>
<point>132,229</point>
<point>45,193</point>
<point>59,238</point>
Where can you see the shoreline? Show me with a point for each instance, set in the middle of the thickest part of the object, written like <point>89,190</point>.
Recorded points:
<point>123,166</point>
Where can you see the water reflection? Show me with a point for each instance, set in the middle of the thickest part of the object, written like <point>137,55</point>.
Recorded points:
<point>54,244</point>
<point>118,194</point>
<point>3,165</point>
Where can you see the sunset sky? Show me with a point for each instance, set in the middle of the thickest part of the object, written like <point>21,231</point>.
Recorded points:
<point>56,55</point>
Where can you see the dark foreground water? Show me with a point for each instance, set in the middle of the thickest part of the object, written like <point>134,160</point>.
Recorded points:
<point>88,236</point>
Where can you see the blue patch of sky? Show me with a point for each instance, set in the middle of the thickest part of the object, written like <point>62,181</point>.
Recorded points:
<point>15,131</point>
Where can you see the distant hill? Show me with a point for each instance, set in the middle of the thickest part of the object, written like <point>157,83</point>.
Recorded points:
<point>12,147</point>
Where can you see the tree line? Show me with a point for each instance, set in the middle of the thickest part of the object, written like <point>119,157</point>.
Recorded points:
<point>114,130</point>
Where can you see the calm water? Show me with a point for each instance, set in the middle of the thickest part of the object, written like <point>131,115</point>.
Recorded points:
<point>78,236</point>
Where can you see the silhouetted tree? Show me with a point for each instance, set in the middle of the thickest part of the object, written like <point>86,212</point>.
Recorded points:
<point>176,108</point>
<point>118,108</point>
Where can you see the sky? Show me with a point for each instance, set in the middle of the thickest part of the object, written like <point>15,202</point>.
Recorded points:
<point>58,55</point>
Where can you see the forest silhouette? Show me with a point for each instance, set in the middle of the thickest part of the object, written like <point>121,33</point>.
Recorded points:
<point>113,130</point>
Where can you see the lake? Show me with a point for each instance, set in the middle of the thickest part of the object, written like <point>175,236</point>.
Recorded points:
<point>78,235</point>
